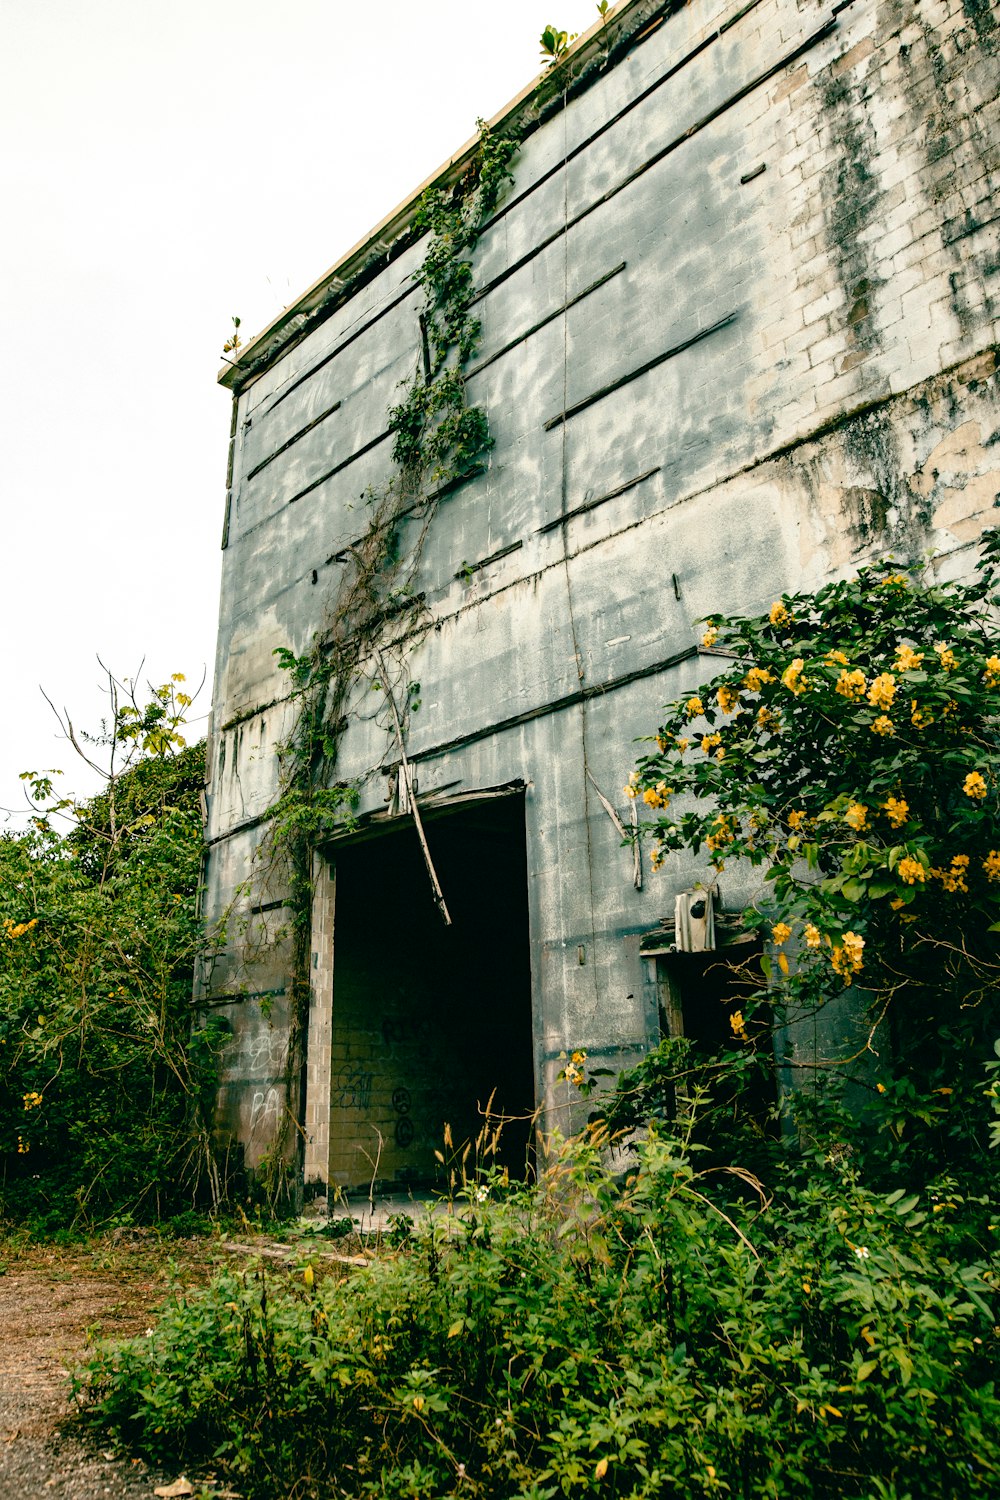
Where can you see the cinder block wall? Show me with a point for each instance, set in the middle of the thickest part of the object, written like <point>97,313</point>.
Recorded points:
<point>740,319</point>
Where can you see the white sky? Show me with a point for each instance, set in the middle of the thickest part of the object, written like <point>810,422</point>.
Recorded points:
<point>166,167</point>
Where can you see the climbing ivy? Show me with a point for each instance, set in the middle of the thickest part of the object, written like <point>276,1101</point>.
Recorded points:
<point>438,438</point>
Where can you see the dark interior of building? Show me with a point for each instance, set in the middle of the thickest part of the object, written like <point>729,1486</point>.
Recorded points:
<point>431,1022</point>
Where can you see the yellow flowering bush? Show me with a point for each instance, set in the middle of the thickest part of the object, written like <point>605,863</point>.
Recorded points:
<point>856,816</point>
<point>882,690</point>
<point>908,660</point>
<point>897,810</point>
<point>847,956</point>
<point>866,782</point>
<point>851,684</point>
<point>792,677</point>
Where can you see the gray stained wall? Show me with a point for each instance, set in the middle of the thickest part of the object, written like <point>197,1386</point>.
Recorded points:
<point>739,315</point>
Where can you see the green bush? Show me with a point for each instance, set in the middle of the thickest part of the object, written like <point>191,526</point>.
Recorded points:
<point>103,1086</point>
<point>665,1337</point>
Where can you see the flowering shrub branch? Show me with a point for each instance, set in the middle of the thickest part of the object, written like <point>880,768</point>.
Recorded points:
<point>852,748</point>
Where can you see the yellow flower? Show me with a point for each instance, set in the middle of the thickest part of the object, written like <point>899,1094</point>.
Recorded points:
<point>657,796</point>
<point>738,1024</point>
<point>953,879</point>
<point>756,678</point>
<point>908,660</point>
<point>812,935</point>
<point>856,816</point>
<point>32,1099</point>
<point>836,658</point>
<point>883,725</point>
<point>728,698</point>
<point>796,818</point>
<point>710,636</point>
<point>882,690</point>
<point>851,684</point>
<point>22,1146</point>
<point>897,810</point>
<point>781,932</point>
<point>947,658</point>
<point>694,707</point>
<point>720,754</point>
<point>656,856</point>
<point>911,871</point>
<point>661,743</point>
<point>792,678</point>
<point>974,786</point>
<point>899,580</point>
<point>682,745</point>
<point>18,929</point>
<point>918,718</point>
<point>709,742</point>
<point>991,865</point>
<point>725,834</point>
<point>992,671</point>
<point>768,719</point>
<point>631,788</point>
<point>847,956</point>
<point>779,614</point>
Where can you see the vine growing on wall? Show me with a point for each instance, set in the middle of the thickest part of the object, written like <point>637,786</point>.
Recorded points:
<point>438,439</point>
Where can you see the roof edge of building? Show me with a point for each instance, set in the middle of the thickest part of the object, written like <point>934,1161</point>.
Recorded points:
<point>596,50</point>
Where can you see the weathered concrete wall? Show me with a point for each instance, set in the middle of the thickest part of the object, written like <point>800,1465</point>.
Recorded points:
<point>759,258</point>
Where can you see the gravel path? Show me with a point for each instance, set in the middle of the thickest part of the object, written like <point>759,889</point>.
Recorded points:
<point>48,1304</point>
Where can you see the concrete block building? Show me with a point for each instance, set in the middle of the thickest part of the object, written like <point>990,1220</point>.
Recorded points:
<point>740,310</point>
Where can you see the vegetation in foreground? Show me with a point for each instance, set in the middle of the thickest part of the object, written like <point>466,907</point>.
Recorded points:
<point>669,1335</point>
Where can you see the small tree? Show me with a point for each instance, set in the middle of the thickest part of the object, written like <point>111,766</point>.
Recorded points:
<point>102,1083</point>
<point>852,748</point>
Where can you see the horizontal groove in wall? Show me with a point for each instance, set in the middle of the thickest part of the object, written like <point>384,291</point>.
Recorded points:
<point>236,999</point>
<point>643,369</point>
<point>543,322</point>
<point>581,510</point>
<point>290,442</point>
<point>345,344</point>
<point>748,88</point>
<point>448,488</point>
<point>337,468</point>
<point>485,562</point>
<point>245,715</point>
<point>514,721</point>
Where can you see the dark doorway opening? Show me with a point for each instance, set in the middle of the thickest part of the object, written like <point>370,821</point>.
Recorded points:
<point>431,1022</point>
<point>701,997</point>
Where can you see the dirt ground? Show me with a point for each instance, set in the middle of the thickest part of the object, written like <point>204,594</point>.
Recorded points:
<point>52,1301</point>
